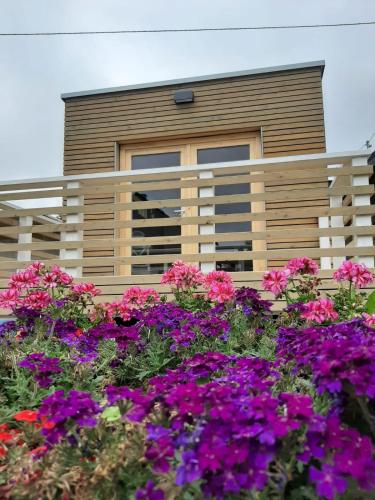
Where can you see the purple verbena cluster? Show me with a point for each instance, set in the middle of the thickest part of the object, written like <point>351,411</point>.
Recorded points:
<point>66,413</point>
<point>42,367</point>
<point>183,327</point>
<point>251,302</point>
<point>344,454</point>
<point>340,356</point>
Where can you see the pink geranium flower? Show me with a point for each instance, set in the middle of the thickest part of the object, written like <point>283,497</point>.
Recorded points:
<point>217,277</point>
<point>85,288</point>
<point>221,291</point>
<point>302,265</point>
<point>319,311</point>
<point>9,298</point>
<point>139,297</point>
<point>275,281</point>
<point>38,299</point>
<point>369,319</point>
<point>24,279</point>
<point>182,276</point>
<point>356,273</point>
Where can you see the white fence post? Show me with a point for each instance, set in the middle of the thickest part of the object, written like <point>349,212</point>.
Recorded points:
<point>207,210</point>
<point>360,200</point>
<point>324,242</point>
<point>25,238</point>
<point>337,220</point>
<point>73,218</point>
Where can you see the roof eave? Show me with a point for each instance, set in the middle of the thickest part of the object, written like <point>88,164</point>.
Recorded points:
<point>181,81</point>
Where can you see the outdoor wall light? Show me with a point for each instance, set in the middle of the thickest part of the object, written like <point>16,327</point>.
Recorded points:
<point>183,96</point>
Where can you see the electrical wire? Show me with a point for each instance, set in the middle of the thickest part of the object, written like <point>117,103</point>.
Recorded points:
<point>187,30</point>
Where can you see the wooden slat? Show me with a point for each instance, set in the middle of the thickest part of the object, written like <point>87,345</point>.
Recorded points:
<point>269,236</point>
<point>276,176</point>
<point>209,257</point>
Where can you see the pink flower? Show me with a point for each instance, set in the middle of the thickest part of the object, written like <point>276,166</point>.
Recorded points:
<point>24,279</point>
<point>302,265</point>
<point>57,277</point>
<point>139,297</point>
<point>9,298</point>
<point>358,274</point>
<point>217,277</point>
<point>221,291</point>
<point>275,281</point>
<point>369,319</point>
<point>38,299</point>
<point>319,311</point>
<point>36,266</point>
<point>85,288</point>
<point>182,276</point>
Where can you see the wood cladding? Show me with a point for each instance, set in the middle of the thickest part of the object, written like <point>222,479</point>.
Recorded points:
<point>286,107</point>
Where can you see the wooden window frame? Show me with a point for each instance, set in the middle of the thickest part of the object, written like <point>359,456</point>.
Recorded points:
<point>188,148</point>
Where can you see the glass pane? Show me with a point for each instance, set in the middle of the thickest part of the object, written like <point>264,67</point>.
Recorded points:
<point>224,154</point>
<point>159,160</point>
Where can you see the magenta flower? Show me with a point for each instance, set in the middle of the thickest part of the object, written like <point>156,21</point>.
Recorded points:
<point>221,292</point>
<point>358,274</point>
<point>85,288</point>
<point>149,492</point>
<point>275,281</point>
<point>328,482</point>
<point>136,296</point>
<point>369,319</point>
<point>302,265</point>
<point>319,311</point>
<point>9,298</point>
<point>182,276</point>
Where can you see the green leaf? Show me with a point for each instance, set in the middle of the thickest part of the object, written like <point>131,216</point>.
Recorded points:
<point>370,304</point>
<point>111,414</point>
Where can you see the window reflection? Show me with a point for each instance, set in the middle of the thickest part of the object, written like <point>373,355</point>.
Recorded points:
<point>159,160</point>
<point>226,154</point>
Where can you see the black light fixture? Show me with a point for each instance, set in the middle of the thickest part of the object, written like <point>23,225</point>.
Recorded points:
<point>183,96</point>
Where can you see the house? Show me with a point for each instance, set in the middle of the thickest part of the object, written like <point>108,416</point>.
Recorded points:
<point>228,171</point>
<point>226,117</point>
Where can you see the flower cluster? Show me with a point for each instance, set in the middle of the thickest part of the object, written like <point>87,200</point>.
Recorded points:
<point>340,356</point>
<point>227,431</point>
<point>182,276</point>
<point>42,367</point>
<point>275,281</point>
<point>355,273</point>
<point>219,285</point>
<point>38,287</point>
<point>134,299</point>
<point>67,413</point>
<point>344,454</point>
<point>183,327</point>
<point>297,281</point>
<point>319,311</point>
<point>301,265</point>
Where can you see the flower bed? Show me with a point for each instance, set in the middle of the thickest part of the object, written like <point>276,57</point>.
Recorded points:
<point>207,396</point>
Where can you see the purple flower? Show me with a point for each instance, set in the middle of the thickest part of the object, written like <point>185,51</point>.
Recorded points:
<point>68,412</point>
<point>327,482</point>
<point>338,355</point>
<point>149,492</point>
<point>42,367</point>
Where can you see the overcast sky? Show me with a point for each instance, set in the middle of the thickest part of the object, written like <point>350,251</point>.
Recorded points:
<point>35,71</point>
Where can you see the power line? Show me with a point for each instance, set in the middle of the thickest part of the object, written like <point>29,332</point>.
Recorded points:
<point>188,30</point>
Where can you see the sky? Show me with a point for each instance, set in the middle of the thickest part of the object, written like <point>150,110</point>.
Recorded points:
<point>35,71</point>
